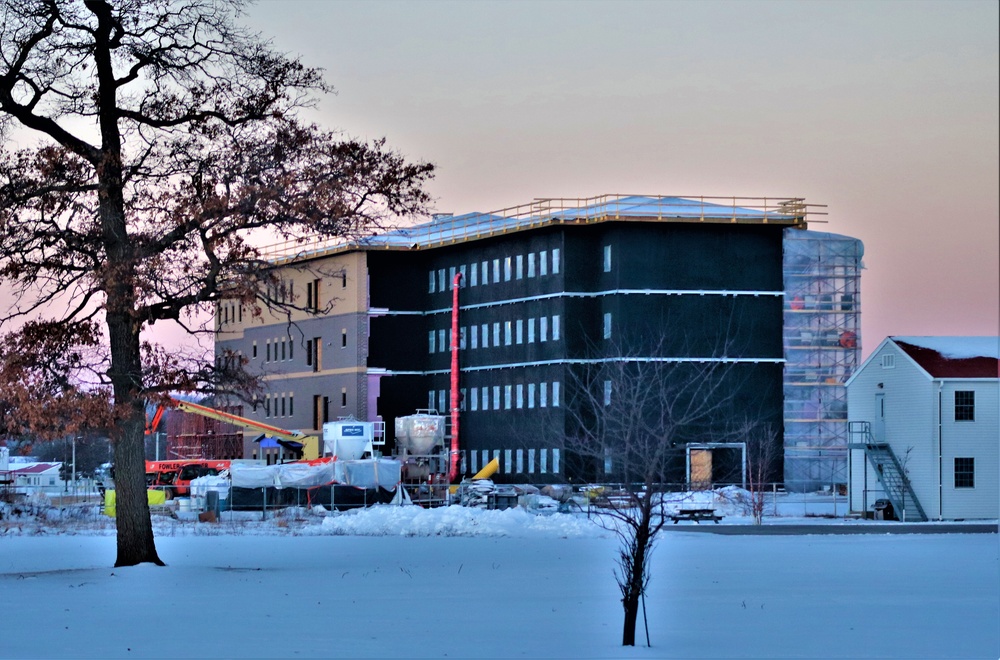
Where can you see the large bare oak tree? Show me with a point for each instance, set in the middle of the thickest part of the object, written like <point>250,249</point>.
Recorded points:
<point>164,136</point>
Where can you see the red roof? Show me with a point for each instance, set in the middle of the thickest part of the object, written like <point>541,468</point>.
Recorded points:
<point>940,366</point>
<point>34,468</point>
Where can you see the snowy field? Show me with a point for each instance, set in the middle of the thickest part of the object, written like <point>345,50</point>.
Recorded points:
<point>456,582</point>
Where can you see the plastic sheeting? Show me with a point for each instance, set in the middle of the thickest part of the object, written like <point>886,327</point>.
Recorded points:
<point>822,346</point>
<point>201,486</point>
<point>373,473</point>
<point>376,473</point>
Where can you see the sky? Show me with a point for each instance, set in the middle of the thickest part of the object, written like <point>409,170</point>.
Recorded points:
<point>885,112</point>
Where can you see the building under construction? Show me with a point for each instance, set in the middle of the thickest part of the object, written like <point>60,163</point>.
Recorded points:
<point>540,286</point>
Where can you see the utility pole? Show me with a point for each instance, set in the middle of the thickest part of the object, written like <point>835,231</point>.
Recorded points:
<point>74,466</point>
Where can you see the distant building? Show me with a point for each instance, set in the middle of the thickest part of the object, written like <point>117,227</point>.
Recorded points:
<point>546,287</point>
<point>34,476</point>
<point>925,428</point>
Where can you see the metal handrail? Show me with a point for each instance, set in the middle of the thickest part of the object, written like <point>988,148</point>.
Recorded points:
<point>791,211</point>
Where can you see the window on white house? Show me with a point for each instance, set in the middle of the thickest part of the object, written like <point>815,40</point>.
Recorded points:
<point>965,406</point>
<point>965,473</point>
<point>888,361</point>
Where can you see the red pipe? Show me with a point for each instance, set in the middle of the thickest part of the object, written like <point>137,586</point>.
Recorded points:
<point>453,473</point>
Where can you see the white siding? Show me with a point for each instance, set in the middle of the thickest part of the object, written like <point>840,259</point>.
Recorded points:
<point>909,420</point>
<point>979,439</point>
<point>912,401</point>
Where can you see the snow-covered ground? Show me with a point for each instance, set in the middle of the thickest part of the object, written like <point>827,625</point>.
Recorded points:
<point>457,582</point>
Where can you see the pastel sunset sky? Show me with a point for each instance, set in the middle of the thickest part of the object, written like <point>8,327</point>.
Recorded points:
<point>887,112</point>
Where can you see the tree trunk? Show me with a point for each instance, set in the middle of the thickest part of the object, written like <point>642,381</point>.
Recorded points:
<point>633,591</point>
<point>135,529</point>
<point>631,605</point>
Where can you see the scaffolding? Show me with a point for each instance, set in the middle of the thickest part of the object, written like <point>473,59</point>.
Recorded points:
<point>822,347</point>
<point>192,436</point>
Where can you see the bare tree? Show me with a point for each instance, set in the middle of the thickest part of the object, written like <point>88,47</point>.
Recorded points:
<point>167,137</point>
<point>630,419</point>
<point>762,453</point>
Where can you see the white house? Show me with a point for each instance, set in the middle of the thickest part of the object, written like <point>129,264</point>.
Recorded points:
<point>924,418</point>
<point>35,477</point>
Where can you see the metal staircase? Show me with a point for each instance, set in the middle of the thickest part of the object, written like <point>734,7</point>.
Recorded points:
<point>890,473</point>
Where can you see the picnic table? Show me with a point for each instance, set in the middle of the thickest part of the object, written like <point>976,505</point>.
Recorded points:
<point>697,515</point>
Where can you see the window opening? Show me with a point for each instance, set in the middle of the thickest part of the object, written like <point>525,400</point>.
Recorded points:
<point>965,406</point>
<point>965,473</point>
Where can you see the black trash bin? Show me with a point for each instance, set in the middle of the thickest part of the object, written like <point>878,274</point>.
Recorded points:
<point>883,510</point>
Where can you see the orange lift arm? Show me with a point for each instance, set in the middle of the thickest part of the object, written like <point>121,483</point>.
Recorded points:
<point>151,426</point>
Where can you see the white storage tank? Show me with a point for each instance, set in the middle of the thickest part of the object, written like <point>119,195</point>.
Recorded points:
<point>420,434</point>
<point>348,439</point>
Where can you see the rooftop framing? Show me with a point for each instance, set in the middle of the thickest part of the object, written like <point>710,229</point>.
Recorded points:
<point>548,211</point>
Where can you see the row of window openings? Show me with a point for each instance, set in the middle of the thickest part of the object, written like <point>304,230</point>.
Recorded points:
<point>284,406</point>
<point>276,351</point>
<point>282,292</point>
<point>516,268</point>
<point>519,461</point>
<point>477,336</point>
<point>502,397</point>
